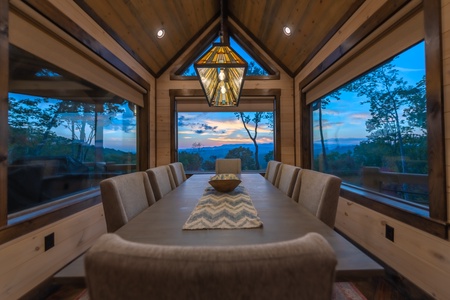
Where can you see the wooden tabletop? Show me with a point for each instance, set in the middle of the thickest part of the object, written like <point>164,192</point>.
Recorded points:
<point>283,219</point>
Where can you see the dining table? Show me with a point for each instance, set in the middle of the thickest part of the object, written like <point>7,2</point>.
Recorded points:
<point>282,219</point>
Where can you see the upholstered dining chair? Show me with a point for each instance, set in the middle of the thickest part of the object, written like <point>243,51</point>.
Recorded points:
<point>228,165</point>
<point>303,268</point>
<point>161,180</point>
<point>319,193</point>
<point>124,197</point>
<point>286,177</point>
<point>178,173</point>
<point>272,170</point>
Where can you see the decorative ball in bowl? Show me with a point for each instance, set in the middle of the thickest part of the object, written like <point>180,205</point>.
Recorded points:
<point>224,183</point>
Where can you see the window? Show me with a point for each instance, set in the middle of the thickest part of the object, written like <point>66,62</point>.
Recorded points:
<point>413,185</point>
<point>372,132</point>
<point>65,134</point>
<point>205,136</point>
<point>254,68</point>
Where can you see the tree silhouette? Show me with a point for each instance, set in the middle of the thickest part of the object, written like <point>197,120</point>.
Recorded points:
<point>256,120</point>
<point>320,105</point>
<point>387,92</point>
<point>36,118</point>
<point>255,70</point>
<point>269,156</point>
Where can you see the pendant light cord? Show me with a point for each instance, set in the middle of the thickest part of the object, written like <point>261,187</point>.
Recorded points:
<point>221,21</point>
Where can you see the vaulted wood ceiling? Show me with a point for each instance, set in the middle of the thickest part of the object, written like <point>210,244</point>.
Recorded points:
<point>134,23</point>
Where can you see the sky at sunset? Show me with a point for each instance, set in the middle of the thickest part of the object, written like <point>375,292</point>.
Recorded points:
<point>217,128</point>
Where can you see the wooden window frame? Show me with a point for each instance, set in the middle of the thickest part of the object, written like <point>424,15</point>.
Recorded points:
<point>16,225</point>
<point>436,224</point>
<point>174,93</point>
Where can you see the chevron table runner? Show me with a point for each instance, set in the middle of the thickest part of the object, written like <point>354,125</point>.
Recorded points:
<point>215,210</point>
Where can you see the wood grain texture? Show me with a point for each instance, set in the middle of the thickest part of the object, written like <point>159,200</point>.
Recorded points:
<point>4,82</point>
<point>51,12</point>
<point>420,257</point>
<point>25,264</point>
<point>135,23</point>
<point>435,110</point>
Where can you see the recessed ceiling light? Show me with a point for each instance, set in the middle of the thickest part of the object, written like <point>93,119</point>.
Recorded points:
<point>161,32</point>
<point>287,31</point>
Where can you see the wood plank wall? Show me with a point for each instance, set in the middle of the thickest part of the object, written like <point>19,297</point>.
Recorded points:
<point>25,263</point>
<point>164,84</point>
<point>422,258</point>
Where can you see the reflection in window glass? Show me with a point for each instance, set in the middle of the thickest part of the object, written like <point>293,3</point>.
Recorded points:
<point>372,132</point>
<point>65,134</point>
<point>205,136</point>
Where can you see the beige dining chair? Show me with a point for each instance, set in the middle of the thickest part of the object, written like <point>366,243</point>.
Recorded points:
<point>228,165</point>
<point>303,268</point>
<point>319,193</point>
<point>286,177</point>
<point>161,180</point>
<point>178,173</point>
<point>272,169</point>
<point>124,197</point>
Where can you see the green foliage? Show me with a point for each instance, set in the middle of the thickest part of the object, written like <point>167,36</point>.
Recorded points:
<point>209,165</point>
<point>269,156</point>
<point>191,161</point>
<point>255,70</point>
<point>33,122</point>
<point>246,156</point>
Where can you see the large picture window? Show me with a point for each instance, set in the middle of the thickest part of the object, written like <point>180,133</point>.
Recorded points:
<point>65,134</point>
<point>205,136</point>
<point>372,132</point>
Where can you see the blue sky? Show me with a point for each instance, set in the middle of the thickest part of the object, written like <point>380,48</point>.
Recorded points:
<point>345,118</point>
<point>119,130</point>
<point>235,46</point>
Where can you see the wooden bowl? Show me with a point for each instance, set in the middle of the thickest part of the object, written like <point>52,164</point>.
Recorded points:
<point>224,183</point>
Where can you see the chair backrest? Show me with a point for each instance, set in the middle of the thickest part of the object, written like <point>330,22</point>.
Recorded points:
<point>319,193</point>
<point>178,173</point>
<point>161,179</point>
<point>124,197</point>
<point>285,181</point>
<point>303,268</point>
<point>272,169</point>
<point>228,165</point>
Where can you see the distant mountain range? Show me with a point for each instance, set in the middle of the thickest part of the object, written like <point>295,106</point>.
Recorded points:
<point>222,151</point>
<point>338,145</point>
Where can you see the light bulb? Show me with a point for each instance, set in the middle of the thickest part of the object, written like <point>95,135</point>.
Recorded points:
<point>223,90</point>
<point>222,75</point>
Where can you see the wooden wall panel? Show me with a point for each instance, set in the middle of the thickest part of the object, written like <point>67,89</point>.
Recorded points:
<point>24,262</point>
<point>446,65</point>
<point>422,258</point>
<point>4,82</point>
<point>164,84</point>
